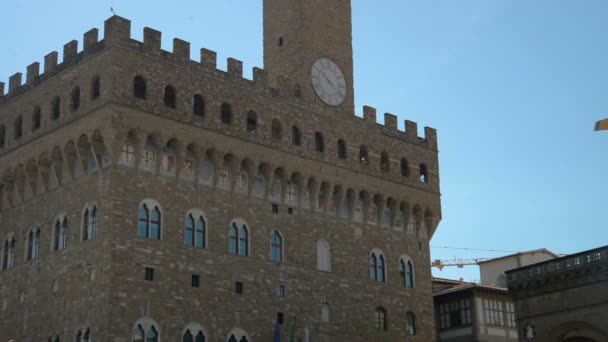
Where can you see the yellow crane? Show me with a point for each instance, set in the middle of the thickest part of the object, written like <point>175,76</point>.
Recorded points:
<point>460,263</point>
<point>601,125</point>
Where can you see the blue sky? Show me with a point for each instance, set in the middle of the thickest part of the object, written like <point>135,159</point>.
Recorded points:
<point>513,87</point>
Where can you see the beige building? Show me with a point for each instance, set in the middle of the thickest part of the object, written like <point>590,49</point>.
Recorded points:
<point>146,196</point>
<point>493,271</point>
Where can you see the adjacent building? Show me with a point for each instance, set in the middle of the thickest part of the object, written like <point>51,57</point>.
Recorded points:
<point>147,196</point>
<point>564,299</point>
<point>493,271</point>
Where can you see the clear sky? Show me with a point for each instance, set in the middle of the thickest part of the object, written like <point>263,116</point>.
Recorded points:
<point>513,87</point>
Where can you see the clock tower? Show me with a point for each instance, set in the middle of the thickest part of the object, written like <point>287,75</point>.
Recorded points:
<point>308,45</point>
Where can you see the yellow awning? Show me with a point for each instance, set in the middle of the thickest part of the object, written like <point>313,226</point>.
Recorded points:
<point>601,125</point>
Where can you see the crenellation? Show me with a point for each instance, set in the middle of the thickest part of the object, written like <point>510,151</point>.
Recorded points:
<point>1,88</point>
<point>90,39</point>
<point>181,49</point>
<point>235,68</point>
<point>70,51</point>
<point>14,82</point>
<point>390,121</point>
<point>117,29</point>
<point>209,59</point>
<point>260,78</point>
<point>411,128</point>
<point>33,71</point>
<point>152,39</point>
<point>430,136</point>
<point>369,114</point>
<point>50,62</point>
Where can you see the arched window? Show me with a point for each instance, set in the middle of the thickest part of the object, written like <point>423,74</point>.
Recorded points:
<point>30,245</point>
<point>295,136</point>
<point>237,335</point>
<point>410,324</point>
<point>341,149</point>
<point>323,256</point>
<point>252,122</point>
<point>170,97</point>
<point>84,337</point>
<point>409,274</point>
<point>239,239</point>
<point>276,247</point>
<point>152,334</point>
<point>36,120</point>
<point>424,173</point>
<point>385,163</point>
<point>138,334</point>
<point>377,267</point>
<point>60,234</point>
<point>363,155</point>
<point>2,136</point>
<point>9,254</point>
<point>325,312</point>
<point>75,104</point>
<point>198,105</point>
<point>277,129</point>
<point>95,88</point>
<point>187,337</point>
<point>56,108</point>
<point>149,221</point>
<point>319,142</point>
<point>33,244</point>
<point>405,168</point>
<point>380,319</point>
<point>226,114</point>
<point>18,127</point>
<point>194,333</point>
<point>89,224</point>
<point>139,87</point>
<point>195,231</point>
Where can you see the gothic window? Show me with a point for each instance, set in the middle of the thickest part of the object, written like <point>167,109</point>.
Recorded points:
<point>198,105</point>
<point>252,122</point>
<point>226,114</point>
<point>319,143</point>
<point>75,104</point>
<point>385,164</point>
<point>95,88</point>
<point>60,234</point>
<point>276,247</point>
<point>138,334</point>
<point>170,97</point>
<point>323,256</point>
<point>152,335</point>
<point>341,149</point>
<point>325,312</point>
<point>18,127</point>
<point>406,271</point>
<point>380,319</point>
<point>2,136</point>
<point>405,168</point>
<point>295,136</point>
<point>149,221</point>
<point>363,155</point>
<point>89,224</point>
<point>424,173</point>
<point>187,337</point>
<point>9,254</point>
<point>84,337</point>
<point>277,130</point>
<point>56,108</point>
<point>33,244</point>
<point>36,118</point>
<point>410,328</point>
<point>195,231</point>
<point>139,87</point>
<point>377,267</point>
<point>239,239</point>
<point>145,331</point>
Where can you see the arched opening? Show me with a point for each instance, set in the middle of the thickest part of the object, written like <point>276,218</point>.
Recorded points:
<point>319,142</point>
<point>424,173</point>
<point>341,149</point>
<point>276,130</point>
<point>363,155</point>
<point>226,114</point>
<point>405,167</point>
<point>18,127</point>
<point>95,87</point>
<point>75,104</point>
<point>385,164</point>
<point>56,108</point>
<point>36,120</point>
<point>139,87</point>
<point>295,136</point>
<point>170,96</point>
<point>2,135</point>
<point>252,122</point>
<point>198,105</point>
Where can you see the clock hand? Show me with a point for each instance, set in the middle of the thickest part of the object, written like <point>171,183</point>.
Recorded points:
<point>328,80</point>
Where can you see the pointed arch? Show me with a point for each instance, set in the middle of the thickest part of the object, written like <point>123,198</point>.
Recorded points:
<point>323,256</point>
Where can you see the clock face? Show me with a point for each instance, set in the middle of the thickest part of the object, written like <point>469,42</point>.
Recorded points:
<point>328,81</point>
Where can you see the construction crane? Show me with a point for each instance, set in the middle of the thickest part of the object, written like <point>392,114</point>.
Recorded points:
<point>460,263</point>
<point>601,125</point>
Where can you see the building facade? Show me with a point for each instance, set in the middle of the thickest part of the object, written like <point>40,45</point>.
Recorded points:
<point>493,271</point>
<point>146,196</point>
<point>563,300</point>
<point>467,312</point>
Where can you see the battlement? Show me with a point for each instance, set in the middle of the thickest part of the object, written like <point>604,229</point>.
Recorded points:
<point>117,32</point>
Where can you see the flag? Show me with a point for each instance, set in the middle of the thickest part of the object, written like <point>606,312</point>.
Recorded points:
<point>293,331</point>
<point>306,334</point>
<point>277,332</point>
